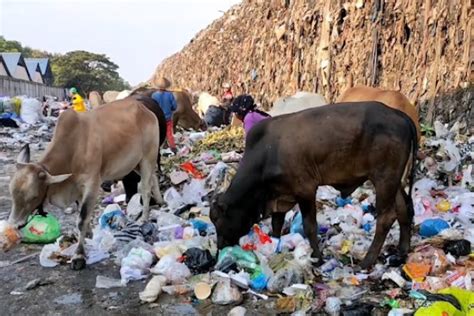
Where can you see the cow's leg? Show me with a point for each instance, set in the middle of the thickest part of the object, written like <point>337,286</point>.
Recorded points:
<point>386,216</point>
<point>130,185</point>
<point>87,206</point>
<point>155,188</point>
<point>405,218</point>
<point>278,219</point>
<point>146,172</point>
<point>310,226</point>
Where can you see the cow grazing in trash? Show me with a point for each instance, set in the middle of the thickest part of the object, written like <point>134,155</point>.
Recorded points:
<point>286,158</point>
<point>86,149</point>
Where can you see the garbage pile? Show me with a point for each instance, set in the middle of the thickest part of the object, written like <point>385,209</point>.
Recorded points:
<point>22,122</point>
<point>176,249</point>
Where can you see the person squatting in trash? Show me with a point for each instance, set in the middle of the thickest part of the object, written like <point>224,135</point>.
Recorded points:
<point>167,103</point>
<point>245,109</point>
<point>77,101</point>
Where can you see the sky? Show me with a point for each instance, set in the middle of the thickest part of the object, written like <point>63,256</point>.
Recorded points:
<point>136,34</point>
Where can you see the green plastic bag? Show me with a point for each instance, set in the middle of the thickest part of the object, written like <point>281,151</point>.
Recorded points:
<point>41,230</point>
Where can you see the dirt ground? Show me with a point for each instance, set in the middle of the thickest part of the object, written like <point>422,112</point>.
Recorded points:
<point>74,292</point>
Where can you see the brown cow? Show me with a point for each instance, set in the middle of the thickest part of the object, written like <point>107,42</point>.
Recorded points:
<point>87,149</point>
<point>287,157</point>
<point>391,98</point>
<point>95,99</point>
<point>184,116</point>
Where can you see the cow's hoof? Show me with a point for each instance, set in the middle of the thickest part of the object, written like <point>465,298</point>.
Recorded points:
<point>78,263</point>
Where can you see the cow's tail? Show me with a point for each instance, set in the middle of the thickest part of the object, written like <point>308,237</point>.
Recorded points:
<point>411,166</point>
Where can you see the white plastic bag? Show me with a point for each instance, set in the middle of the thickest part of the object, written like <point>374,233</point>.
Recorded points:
<point>135,266</point>
<point>173,198</point>
<point>175,272</point>
<point>194,191</point>
<point>30,110</point>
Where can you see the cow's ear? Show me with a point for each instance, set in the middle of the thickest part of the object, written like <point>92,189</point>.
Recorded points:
<point>24,155</point>
<point>57,179</point>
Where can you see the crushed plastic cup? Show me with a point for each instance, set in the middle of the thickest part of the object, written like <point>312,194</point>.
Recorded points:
<point>202,290</point>
<point>9,236</point>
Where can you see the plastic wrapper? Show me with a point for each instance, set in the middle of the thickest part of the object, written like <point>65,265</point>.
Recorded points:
<point>103,282</point>
<point>9,236</point>
<point>225,293</point>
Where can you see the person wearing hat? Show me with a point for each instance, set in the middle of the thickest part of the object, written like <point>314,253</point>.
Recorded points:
<point>168,104</point>
<point>245,109</point>
<point>77,101</point>
<point>227,97</point>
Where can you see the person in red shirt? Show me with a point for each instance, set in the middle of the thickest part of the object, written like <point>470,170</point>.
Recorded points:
<point>227,97</point>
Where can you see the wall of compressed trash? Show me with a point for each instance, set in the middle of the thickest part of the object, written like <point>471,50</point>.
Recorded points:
<point>276,48</point>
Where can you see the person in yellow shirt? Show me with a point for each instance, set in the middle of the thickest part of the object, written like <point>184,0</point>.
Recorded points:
<point>78,103</point>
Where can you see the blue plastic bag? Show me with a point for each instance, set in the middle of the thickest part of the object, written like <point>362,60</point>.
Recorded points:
<point>432,227</point>
<point>297,225</point>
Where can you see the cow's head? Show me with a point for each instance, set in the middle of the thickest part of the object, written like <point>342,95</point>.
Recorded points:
<point>28,187</point>
<point>231,222</point>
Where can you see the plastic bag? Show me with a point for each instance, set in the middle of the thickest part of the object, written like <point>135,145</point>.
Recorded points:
<point>190,168</point>
<point>112,217</point>
<point>173,199</point>
<point>225,293</point>
<point>174,271</point>
<point>432,227</point>
<point>193,192</point>
<point>30,111</point>
<point>9,236</point>
<point>41,229</point>
<point>326,192</point>
<point>153,289</point>
<point>134,207</point>
<point>290,274</point>
<point>198,260</point>
<point>457,248</point>
<point>135,266</point>
<point>297,225</point>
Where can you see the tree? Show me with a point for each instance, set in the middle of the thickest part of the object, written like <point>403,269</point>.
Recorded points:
<point>10,46</point>
<point>87,72</point>
<point>84,70</point>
